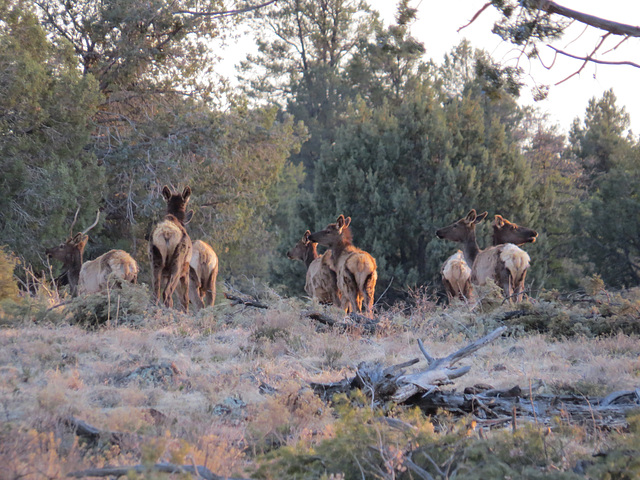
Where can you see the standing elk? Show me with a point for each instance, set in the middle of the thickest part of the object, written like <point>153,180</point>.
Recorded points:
<point>355,268</point>
<point>170,250</point>
<point>506,264</point>
<point>109,269</point>
<point>203,272</point>
<point>321,281</point>
<point>456,273</point>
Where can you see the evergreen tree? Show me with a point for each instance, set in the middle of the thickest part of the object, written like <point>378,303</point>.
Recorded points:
<point>606,224</point>
<point>46,109</point>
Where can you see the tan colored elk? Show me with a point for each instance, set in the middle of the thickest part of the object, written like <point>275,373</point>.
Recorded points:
<point>456,274</point>
<point>108,270</point>
<point>505,264</point>
<point>355,269</point>
<point>203,272</point>
<point>321,283</point>
<point>170,250</point>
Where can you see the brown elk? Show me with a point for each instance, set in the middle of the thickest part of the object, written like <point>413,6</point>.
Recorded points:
<point>170,250</point>
<point>456,274</point>
<point>109,269</point>
<point>506,264</point>
<point>355,269</point>
<point>203,272</point>
<point>321,283</point>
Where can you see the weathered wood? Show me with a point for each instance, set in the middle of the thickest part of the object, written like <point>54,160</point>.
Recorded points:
<point>391,383</point>
<point>248,302</point>
<point>94,435</point>
<point>197,470</point>
<point>359,321</point>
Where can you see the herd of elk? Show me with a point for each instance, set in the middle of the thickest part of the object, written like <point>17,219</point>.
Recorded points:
<point>506,264</point>
<point>178,265</point>
<point>106,271</point>
<point>344,275</point>
<point>456,273</point>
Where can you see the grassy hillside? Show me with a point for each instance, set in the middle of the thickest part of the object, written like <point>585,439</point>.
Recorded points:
<point>227,388</point>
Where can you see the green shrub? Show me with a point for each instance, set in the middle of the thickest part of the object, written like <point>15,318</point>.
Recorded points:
<point>8,285</point>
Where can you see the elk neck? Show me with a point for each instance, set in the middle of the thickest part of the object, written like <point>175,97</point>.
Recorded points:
<point>310,253</point>
<point>470,248</point>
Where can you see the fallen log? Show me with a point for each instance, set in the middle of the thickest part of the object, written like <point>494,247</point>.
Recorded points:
<point>247,302</point>
<point>391,383</point>
<point>94,436</point>
<point>356,321</point>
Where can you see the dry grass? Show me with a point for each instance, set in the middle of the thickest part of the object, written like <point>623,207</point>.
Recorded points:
<point>197,388</point>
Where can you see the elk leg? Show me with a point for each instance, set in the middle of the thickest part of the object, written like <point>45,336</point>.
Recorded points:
<point>194,290</point>
<point>184,291</point>
<point>369,291</point>
<point>210,293</point>
<point>156,275</point>
<point>348,288</point>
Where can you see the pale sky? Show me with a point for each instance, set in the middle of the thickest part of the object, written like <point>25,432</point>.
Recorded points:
<point>438,22</point>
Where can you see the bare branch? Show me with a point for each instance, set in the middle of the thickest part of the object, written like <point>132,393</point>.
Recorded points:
<point>478,13</point>
<point>226,13</point>
<point>591,59</point>
<point>597,22</point>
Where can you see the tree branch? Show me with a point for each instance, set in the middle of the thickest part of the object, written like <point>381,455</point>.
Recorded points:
<point>597,22</point>
<point>226,13</point>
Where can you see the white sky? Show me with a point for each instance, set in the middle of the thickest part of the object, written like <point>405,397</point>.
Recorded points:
<point>438,22</point>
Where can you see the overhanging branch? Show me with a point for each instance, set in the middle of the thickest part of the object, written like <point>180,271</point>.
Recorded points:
<point>225,13</point>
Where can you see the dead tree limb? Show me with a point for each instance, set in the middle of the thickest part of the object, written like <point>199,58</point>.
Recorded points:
<point>248,302</point>
<point>94,435</point>
<point>392,383</point>
<point>197,470</point>
<point>359,321</point>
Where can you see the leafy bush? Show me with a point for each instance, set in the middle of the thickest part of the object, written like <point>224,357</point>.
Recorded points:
<point>123,305</point>
<point>8,285</point>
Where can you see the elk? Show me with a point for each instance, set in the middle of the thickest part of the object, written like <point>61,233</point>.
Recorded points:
<point>109,269</point>
<point>506,264</point>
<point>203,271</point>
<point>321,283</point>
<point>355,269</point>
<point>170,250</point>
<point>456,274</point>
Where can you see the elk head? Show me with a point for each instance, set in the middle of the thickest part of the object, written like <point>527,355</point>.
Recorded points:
<point>506,232</point>
<point>461,230</point>
<point>177,203</point>
<point>299,250</point>
<point>70,253</point>
<point>334,233</point>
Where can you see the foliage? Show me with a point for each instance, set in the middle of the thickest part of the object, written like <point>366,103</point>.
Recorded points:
<point>117,306</point>
<point>364,443</point>
<point>46,109</point>
<point>8,285</point>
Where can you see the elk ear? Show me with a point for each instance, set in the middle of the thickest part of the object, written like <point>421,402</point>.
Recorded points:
<point>186,193</point>
<point>347,222</point>
<point>340,221</point>
<point>305,237</point>
<point>471,216</point>
<point>481,217</point>
<point>498,221</point>
<point>166,193</point>
<point>188,217</point>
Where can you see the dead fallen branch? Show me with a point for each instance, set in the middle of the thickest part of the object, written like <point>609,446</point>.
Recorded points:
<point>248,302</point>
<point>353,320</point>
<point>197,470</point>
<point>94,436</point>
<point>392,383</point>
